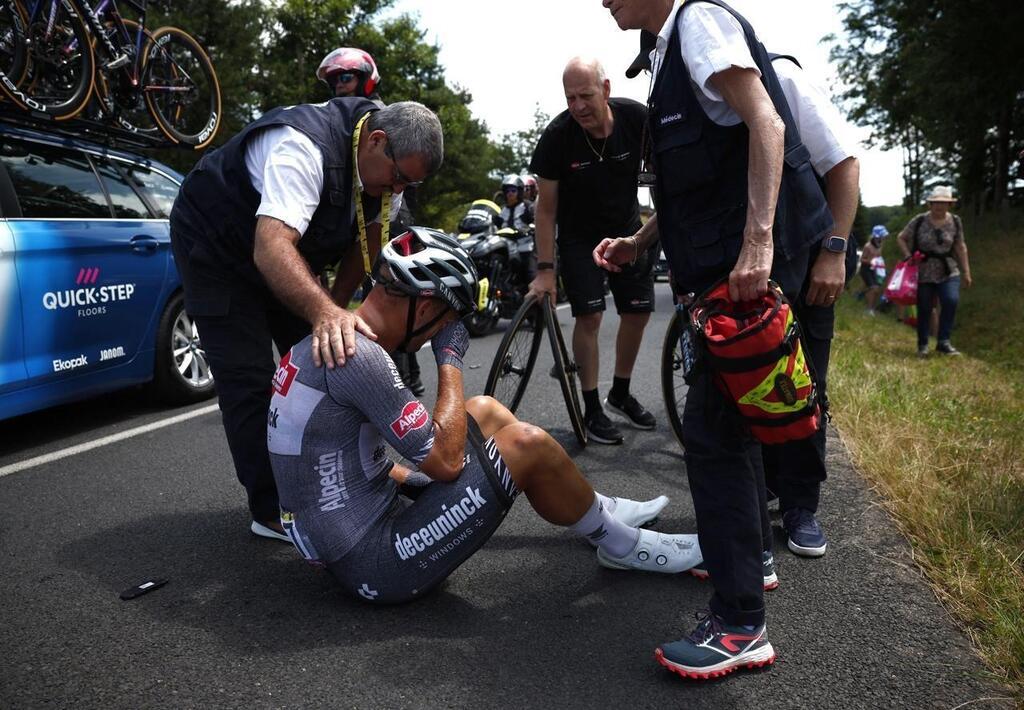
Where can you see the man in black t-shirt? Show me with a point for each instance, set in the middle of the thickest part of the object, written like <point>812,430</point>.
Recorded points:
<point>587,161</point>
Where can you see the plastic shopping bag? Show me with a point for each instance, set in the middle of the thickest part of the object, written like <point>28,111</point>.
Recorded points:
<point>902,288</point>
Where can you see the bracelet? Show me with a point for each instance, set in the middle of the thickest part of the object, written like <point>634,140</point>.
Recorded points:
<point>636,251</point>
<point>543,265</point>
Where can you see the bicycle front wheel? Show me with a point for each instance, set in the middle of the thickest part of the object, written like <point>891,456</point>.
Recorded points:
<point>673,386</point>
<point>13,43</point>
<point>59,63</point>
<point>516,356</point>
<point>181,88</point>
<point>566,369</point>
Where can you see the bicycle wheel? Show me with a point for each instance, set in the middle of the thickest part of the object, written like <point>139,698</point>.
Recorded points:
<point>181,88</point>
<point>60,63</point>
<point>516,356</point>
<point>673,386</point>
<point>13,43</point>
<point>567,370</point>
<point>116,99</point>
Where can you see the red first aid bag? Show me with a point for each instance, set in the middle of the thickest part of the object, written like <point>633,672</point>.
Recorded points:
<point>754,353</point>
<point>902,287</point>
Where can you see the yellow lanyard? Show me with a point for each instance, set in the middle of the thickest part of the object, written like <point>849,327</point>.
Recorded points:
<point>385,202</point>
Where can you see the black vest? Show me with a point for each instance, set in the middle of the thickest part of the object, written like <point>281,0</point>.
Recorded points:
<point>701,168</point>
<point>216,208</point>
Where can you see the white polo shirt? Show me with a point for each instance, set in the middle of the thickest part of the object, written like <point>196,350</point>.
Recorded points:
<point>711,40</point>
<point>286,168</point>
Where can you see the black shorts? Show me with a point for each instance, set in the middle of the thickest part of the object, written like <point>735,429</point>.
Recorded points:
<point>868,275</point>
<point>416,545</point>
<point>632,288</point>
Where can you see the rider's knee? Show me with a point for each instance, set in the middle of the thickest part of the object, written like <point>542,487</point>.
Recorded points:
<point>524,437</point>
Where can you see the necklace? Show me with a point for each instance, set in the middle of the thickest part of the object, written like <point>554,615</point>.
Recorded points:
<point>600,156</point>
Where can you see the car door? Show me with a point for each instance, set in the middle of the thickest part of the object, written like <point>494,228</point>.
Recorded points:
<point>12,342</point>
<point>89,281</point>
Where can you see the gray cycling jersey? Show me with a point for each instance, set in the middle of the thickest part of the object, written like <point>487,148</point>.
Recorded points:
<point>326,432</point>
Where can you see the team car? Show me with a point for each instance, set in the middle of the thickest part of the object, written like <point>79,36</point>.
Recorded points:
<point>90,299</point>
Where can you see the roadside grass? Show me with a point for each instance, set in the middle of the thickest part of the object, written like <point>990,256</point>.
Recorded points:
<point>942,439</point>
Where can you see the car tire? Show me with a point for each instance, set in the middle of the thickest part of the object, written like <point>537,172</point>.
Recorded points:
<point>177,350</point>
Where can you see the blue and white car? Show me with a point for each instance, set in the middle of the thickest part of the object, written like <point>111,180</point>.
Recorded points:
<point>90,300</point>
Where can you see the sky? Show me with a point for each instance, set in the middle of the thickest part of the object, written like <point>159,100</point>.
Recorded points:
<point>510,56</point>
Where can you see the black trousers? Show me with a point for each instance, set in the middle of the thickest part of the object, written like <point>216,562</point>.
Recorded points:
<point>239,322</point>
<point>727,481</point>
<point>795,470</point>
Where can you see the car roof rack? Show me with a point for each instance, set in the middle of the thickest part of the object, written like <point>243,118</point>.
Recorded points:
<point>82,129</point>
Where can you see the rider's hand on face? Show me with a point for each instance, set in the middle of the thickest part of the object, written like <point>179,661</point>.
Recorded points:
<point>450,344</point>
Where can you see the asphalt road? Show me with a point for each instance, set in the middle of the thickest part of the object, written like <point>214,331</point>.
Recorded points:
<point>530,621</point>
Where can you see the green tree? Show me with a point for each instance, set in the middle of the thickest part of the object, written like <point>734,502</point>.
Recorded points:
<point>266,54</point>
<point>516,149</point>
<point>944,81</point>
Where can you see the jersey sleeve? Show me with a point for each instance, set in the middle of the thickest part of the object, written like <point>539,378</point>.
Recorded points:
<point>817,119</point>
<point>370,382</point>
<point>293,176</point>
<point>711,41</point>
<point>547,156</point>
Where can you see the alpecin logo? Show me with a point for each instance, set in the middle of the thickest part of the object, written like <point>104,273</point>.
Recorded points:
<point>285,374</point>
<point>414,416</point>
<point>87,276</point>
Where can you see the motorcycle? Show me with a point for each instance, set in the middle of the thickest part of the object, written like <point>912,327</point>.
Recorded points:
<point>504,257</point>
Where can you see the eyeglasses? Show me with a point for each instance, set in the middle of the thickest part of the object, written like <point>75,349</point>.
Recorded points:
<point>397,178</point>
<point>510,189</point>
<point>345,78</point>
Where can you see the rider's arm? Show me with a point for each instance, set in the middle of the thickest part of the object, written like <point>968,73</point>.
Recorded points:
<point>444,462</point>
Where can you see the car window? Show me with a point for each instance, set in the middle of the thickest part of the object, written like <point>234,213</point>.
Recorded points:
<point>53,182</point>
<point>126,202</point>
<point>161,190</point>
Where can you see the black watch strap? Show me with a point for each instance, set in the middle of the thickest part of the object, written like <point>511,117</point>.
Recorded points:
<point>543,265</point>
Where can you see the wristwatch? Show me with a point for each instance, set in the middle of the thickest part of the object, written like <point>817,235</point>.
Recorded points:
<point>835,244</point>
<point>542,265</point>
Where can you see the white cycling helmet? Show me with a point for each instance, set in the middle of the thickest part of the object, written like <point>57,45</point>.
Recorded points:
<point>428,263</point>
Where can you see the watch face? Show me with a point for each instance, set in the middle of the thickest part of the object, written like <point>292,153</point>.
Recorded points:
<point>836,244</point>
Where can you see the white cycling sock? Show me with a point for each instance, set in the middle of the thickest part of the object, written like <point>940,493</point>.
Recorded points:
<point>598,526</point>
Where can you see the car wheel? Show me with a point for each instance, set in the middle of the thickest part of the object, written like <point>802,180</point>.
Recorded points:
<point>183,372</point>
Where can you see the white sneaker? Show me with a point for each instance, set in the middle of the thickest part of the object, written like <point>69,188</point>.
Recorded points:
<point>637,513</point>
<point>656,552</point>
<point>264,531</point>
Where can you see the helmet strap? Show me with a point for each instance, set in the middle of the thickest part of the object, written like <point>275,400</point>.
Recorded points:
<point>410,321</point>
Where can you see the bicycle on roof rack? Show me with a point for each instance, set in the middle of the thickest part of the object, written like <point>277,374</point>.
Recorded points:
<point>57,55</point>
<point>517,354</point>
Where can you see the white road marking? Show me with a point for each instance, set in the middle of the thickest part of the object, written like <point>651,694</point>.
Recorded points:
<point>113,438</point>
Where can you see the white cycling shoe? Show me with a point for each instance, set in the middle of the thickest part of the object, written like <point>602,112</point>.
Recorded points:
<point>636,513</point>
<point>656,552</point>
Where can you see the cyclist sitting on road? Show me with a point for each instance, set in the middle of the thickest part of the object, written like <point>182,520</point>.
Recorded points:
<point>350,71</point>
<point>515,214</point>
<point>328,430</point>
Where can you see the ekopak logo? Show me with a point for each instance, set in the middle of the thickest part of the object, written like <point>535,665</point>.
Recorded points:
<point>87,276</point>
<point>414,416</point>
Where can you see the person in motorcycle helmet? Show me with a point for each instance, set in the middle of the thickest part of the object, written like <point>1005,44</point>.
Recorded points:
<point>515,214</point>
<point>349,71</point>
<point>529,189</point>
